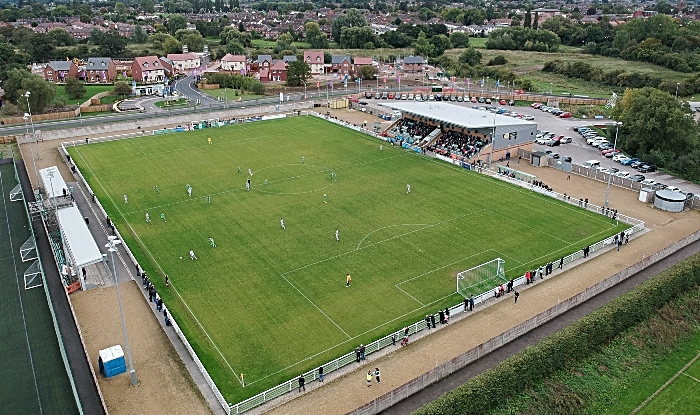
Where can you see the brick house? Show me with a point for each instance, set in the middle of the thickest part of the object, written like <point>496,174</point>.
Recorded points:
<point>264,62</point>
<point>341,64</point>
<point>413,64</point>
<point>278,71</point>
<point>58,71</point>
<point>233,63</point>
<point>100,70</point>
<point>315,60</point>
<point>148,69</point>
<point>360,62</point>
<point>184,62</point>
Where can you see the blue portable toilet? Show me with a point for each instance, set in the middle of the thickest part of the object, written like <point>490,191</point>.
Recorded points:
<point>112,361</point>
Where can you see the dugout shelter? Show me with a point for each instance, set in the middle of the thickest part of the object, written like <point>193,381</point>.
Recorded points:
<point>506,134</point>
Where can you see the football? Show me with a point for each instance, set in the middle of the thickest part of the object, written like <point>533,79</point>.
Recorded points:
<point>180,257</point>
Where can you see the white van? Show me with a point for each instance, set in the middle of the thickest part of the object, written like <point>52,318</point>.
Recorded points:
<point>591,164</point>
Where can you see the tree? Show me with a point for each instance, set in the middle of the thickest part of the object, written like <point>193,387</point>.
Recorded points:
<point>440,44</point>
<point>353,18</point>
<point>298,72</point>
<point>235,48</point>
<point>60,37</point>
<point>422,47</point>
<point>536,22</point>
<point>474,16</point>
<point>315,37</point>
<point>471,57</point>
<point>528,19</point>
<point>459,39</point>
<point>74,88</point>
<point>147,6</point>
<point>426,14</point>
<point>110,43</point>
<point>176,22</point>
<point>122,89</point>
<point>41,93</point>
<point>41,48</point>
<point>120,8</point>
<point>171,45</point>
<point>366,72</point>
<point>140,35</point>
<point>356,37</point>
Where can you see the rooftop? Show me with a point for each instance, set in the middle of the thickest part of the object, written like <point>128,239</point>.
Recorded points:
<point>457,115</point>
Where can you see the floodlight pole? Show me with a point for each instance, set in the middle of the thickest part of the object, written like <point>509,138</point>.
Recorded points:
<point>607,189</point>
<point>112,248</point>
<point>26,127</point>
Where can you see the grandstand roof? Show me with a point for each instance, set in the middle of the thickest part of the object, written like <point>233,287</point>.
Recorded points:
<point>457,115</point>
<point>77,239</point>
<point>53,182</point>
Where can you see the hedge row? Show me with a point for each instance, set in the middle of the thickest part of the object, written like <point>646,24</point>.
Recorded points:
<point>492,388</point>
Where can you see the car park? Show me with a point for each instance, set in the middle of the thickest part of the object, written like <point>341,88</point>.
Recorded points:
<point>647,168</point>
<point>637,178</point>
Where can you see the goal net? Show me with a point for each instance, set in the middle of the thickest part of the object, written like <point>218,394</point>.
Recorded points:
<point>481,278</point>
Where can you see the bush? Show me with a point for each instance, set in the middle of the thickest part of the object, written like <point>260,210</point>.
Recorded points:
<point>498,60</point>
<point>487,391</point>
<point>122,88</point>
<point>74,88</point>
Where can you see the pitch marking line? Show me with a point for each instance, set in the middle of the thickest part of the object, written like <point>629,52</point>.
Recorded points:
<point>695,379</point>
<point>404,291</point>
<point>371,245</point>
<point>393,226</point>
<point>444,266</point>
<point>206,333</point>
<point>668,382</point>
<point>317,307</point>
<point>19,295</point>
<point>527,226</point>
<point>132,142</point>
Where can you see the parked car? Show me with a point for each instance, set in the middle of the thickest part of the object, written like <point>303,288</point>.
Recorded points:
<point>636,164</point>
<point>566,140</point>
<point>453,98</point>
<point>673,189</point>
<point>503,102</point>
<point>368,95</point>
<point>565,115</point>
<point>488,100</point>
<point>377,96</point>
<point>391,95</point>
<point>637,178</point>
<point>404,96</point>
<point>384,95</point>
<point>554,155</point>
<point>567,159</point>
<point>536,105</point>
<point>397,97</point>
<point>610,150</point>
<point>528,117</point>
<point>648,182</point>
<point>410,96</point>
<point>474,100</point>
<point>647,168</point>
<point>620,157</point>
<point>482,100</point>
<point>591,140</point>
<point>438,97</point>
<point>553,142</point>
<point>622,174</point>
<point>431,97</point>
<point>460,98</point>
<point>660,186</point>
<point>629,161</point>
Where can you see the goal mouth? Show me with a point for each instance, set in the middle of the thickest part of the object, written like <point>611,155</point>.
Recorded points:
<point>481,278</point>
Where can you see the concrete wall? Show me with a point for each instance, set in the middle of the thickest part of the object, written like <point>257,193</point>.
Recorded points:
<point>155,123</point>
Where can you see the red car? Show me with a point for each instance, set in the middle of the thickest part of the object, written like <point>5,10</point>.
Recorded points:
<point>503,102</point>
<point>536,105</point>
<point>565,115</point>
<point>610,150</point>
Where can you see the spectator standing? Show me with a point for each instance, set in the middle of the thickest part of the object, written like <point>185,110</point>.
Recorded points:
<point>376,375</point>
<point>471,305</point>
<point>517,294</point>
<point>442,316</point>
<point>369,379</point>
<point>302,381</point>
<point>561,263</point>
<point>357,354</point>
<point>427,320</point>
<point>466,303</point>
<point>362,352</point>
<point>432,319</point>
<point>320,373</point>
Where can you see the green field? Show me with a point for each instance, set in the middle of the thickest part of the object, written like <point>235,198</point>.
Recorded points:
<point>230,94</point>
<point>271,302</point>
<point>34,377</point>
<point>90,91</point>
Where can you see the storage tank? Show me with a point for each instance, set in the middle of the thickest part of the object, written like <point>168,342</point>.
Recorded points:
<point>669,201</point>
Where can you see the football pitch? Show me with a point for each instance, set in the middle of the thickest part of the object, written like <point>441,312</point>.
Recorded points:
<point>272,303</point>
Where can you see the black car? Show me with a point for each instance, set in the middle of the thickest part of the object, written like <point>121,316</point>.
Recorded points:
<point>637,164</point>
<point>647,168</point>
<point>368,95</point>
<point>567,159</point>
<point>637,178</point>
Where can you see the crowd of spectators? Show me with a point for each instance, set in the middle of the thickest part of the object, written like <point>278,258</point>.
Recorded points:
<point>461,144</point>
<point>416,129</point>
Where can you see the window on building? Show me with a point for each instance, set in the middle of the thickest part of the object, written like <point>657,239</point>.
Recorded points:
<point>49,73</point>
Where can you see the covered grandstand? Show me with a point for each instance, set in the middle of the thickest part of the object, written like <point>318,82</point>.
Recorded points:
<point>465,132</point>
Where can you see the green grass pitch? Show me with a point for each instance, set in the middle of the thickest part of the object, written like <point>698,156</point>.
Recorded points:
<point>270,302</point>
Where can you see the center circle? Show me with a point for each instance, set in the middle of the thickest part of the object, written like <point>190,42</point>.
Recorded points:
<point>292,179</point>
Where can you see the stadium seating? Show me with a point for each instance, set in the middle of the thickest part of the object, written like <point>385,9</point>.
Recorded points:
<point>416,129</point>
<point>461,144</point>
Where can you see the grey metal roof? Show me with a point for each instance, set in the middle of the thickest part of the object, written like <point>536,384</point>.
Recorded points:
<point>98,64</point>
<point>340,58</point>
<point>413,59</point>
<point>60,65</point>
<point>289,58</point>
<point>263,58</point>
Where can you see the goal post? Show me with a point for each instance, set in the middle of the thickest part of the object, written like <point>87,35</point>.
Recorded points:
<point>481,278</point>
